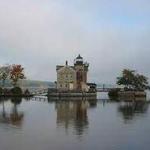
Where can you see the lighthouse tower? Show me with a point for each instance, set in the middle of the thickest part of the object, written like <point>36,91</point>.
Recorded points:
<point>81,73</point>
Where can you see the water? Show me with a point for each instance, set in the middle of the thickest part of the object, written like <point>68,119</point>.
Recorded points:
<point>37,124</point>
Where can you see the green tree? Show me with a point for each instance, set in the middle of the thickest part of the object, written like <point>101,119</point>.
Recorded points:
<point>133,81</point>
<point>16,73</point>
<point>4,73</point>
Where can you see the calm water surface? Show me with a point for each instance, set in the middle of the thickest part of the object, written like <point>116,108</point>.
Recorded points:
<point>39,124</point>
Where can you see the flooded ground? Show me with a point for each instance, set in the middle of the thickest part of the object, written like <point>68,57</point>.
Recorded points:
<point>39,124</point>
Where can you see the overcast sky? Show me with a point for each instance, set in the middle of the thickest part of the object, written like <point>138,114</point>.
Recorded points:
<point>109,34</point>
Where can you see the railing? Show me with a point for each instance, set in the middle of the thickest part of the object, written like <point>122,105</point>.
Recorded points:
<point>40,92</point>
<point>103,89</point>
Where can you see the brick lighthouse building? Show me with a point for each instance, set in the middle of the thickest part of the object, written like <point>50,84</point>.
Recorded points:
<point>81,69</point>
<point>71,78</point>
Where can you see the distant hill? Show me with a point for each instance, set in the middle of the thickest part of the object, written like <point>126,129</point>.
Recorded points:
<point>100,85</point>
<point>30,83</point>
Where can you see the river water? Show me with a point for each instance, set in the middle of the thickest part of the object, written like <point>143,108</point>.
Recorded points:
<point>42,124</point>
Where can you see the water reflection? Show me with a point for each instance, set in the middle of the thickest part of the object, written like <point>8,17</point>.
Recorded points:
<point>73,124</point>
<point>130,110</point>
<point>73,114</point>
<point>13,117</point>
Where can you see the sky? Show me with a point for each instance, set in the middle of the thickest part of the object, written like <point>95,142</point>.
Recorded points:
<point>110,34</point>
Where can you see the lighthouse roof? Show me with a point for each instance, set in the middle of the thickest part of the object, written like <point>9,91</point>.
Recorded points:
<point>79,57</point>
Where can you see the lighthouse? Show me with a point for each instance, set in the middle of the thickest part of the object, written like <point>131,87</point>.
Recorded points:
<point>81,73</point>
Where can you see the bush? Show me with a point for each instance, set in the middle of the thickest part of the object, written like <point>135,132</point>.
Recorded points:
<point>27,92</point>
<point>16,91</point>
<point>7,92</point>
<point>1,91</point>
<point>113,92</point>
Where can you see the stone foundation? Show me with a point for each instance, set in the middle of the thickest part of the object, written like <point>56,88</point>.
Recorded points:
<point>132,96</point>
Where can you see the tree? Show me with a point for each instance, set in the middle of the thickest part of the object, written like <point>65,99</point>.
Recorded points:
<point>4,73</point>
<point>16,73</point>
<point>132,80</point>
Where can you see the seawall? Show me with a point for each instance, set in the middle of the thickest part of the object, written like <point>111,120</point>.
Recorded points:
<point>132,96</point>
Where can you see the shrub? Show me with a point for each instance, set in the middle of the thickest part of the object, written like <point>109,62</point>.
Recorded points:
<point>7,92</point>
<point>16,91</point>
<point>113,92</point>
<point>1,91</point>
<point>27,92</point>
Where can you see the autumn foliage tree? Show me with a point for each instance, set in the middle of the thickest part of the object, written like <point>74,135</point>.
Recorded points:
<point>16,73</point>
